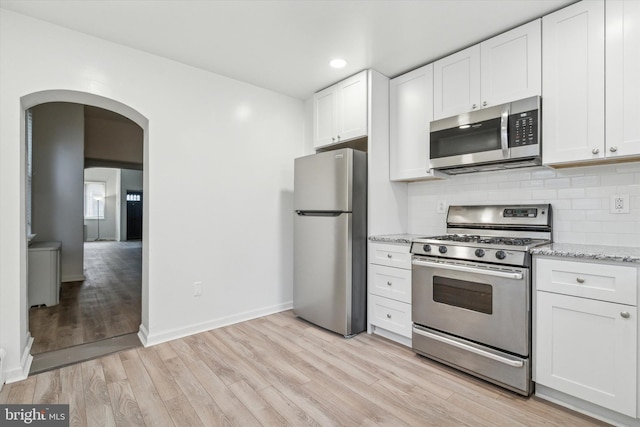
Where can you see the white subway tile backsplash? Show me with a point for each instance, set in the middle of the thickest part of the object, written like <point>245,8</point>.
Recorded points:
<point>544,194</point>
<point>619,179</point>
<point>586,203</point>
<point>580,198</point>
<point>543,173</point>
<point>571,193</point>
<point>585,181</point>
<point>557,183</point>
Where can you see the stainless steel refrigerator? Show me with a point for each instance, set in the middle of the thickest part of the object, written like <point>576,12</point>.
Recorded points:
<point>330,242</point>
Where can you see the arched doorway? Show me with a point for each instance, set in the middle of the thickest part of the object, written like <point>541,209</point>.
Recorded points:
<point>87,99</point>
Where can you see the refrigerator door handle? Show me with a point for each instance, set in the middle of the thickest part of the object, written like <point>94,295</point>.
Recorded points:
<point>320,213</point>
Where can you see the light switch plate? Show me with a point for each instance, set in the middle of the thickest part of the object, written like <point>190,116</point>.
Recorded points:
<point>619,204</point>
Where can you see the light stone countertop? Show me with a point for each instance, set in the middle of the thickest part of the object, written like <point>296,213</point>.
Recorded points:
<point>598,252</point>
<point>404,239</point>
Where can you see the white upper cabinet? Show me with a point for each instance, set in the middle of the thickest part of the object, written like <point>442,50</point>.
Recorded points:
<point>622,78</point>
<point>456,83</point>
<point>510,67</point>
<point>573,89</point>
<point>502,69</point>
<point>324,116</point>
<point>340,111</point>
<point>411,111</point>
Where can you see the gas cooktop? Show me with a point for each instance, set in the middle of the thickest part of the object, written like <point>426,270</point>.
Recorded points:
<point>499,234</point>
<point>517,243</point>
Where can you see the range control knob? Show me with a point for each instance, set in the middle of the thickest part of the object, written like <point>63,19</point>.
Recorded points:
<point>426,248</point>
<point>479,252</point>
<point>442,249</point>
<point>501,255</point>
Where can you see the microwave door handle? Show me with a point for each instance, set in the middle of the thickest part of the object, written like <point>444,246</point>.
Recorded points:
<point>504,130</point>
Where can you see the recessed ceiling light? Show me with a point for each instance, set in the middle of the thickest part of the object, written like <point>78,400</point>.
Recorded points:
<point>338,63</point>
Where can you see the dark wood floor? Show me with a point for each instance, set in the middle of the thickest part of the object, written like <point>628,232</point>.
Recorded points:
<point>279,370</point>
<point>106,304</point>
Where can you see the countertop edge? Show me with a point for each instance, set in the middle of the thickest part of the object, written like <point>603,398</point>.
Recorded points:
<point>593,252</point>
<point>402,239</point>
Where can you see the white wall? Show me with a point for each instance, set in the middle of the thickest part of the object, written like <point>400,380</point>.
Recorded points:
<point>218,180</point>
<point>109,227</point>
<point>580,199</point>
<point>58,139</point>
<point>129,180</point>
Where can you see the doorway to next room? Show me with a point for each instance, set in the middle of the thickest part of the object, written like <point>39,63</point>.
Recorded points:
<point>86,160</point>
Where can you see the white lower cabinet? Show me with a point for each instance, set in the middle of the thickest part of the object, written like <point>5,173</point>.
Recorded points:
<point>389,291</point>
<point>585,339</point>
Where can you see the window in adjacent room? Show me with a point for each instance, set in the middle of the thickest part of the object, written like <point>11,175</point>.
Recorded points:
<point>94,198</point>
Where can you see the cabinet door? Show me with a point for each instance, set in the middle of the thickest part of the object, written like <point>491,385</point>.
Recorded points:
<point>573,83</point>
<point>325,104</point>
<point>511,65</point>
<point>623,78</point>
<point>411,111</point>
<point>456,83</point>
<point>587,348</point>
<point>352,107</point>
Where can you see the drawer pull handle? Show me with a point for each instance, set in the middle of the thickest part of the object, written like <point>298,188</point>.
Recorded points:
<point>389,283</point>
<point>580,279</point>
<point>389,316</point>
<point>625,314</point>
<point>389,256</point>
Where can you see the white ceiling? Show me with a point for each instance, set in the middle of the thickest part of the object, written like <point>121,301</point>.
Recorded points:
<point>286,45</point>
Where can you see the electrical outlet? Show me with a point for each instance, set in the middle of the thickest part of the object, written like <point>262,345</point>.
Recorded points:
<point>619,204</point>
<point>197,289</point>
<point>441,206</point>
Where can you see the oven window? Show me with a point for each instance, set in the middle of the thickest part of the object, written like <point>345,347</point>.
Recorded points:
<point>461,293</point>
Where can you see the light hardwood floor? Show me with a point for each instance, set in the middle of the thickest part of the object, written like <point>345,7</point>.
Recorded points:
<point>279,370</point>
<point>106,304</point>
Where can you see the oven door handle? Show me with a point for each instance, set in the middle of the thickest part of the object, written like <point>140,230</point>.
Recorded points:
<point>469,348</point>
<point>467,269</point>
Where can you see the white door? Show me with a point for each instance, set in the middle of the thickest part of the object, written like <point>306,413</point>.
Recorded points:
<point>325,103</point>
<point>623,78</point>
<point>573,83</point>
<point>411,111</point>
<point>352,107</point>
<point>456,83</point>
<point>587,349</point>
<point>511,65</point>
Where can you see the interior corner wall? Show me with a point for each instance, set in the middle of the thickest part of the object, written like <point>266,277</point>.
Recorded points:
<point>58,162</point>
<point>129,180</point>
<point>107,225</point>
<point>218,173</point>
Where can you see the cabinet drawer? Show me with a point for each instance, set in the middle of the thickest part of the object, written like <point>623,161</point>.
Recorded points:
<point>390,282</point>
<point>391,315</point>
<point>614,283</point>
<point>390,255</point>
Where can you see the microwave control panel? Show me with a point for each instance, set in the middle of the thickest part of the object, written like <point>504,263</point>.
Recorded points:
<point>523,128</point>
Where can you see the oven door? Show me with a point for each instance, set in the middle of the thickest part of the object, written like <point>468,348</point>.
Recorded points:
<point>483,303</point>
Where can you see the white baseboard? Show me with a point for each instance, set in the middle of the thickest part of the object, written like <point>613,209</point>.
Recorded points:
<point>73,278</point>
<point>21,372</point>
<point>172,334</point>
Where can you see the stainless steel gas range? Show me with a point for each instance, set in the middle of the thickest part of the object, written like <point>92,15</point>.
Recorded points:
<point>471,291</point>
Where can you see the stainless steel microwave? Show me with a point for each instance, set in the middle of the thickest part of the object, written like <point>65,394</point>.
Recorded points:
<point>502,137</point>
